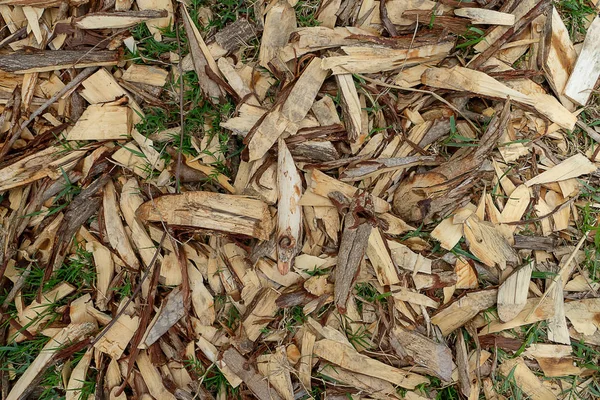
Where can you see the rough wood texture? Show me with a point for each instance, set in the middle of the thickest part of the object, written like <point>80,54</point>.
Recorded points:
<point>214,211</point>
<point>43,61</point>
<point>226,219</point>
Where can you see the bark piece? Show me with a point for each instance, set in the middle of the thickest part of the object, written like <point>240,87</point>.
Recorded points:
<point>534,243</point>
<point>353,246</point>
<point>232,37</point>
<point>372,168</point>
<point>171,311</point>
<point>44,61</point>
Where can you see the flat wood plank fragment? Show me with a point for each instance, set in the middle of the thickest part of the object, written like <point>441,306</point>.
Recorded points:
<point>526,379</point>
<point>280,22</point>
<point>484,16</point>
<point>259,316</point>
<point>152,377</point>
<point>103,122</point>
<point>463,310</point>
<point>380,258</point>
<point>528,315</point>
<point>146,74</point>
<point>464,79</point>
<point>587,68</point>
<point>584,315</point>
<point>512,294</point>
<point>522,8</point>
<point>276,368</point>
<point>116,20</point>
<point>363,60</point>
<point>157,24</point>
<point>351,109</point>
<point>351,360</point>
<point>35,167</point>
<point>118,237</point>
<point>116,339</point>
<point>572,167</point>
<point>288,115</point>
<point>488,244</point>
<point>323,185</point>
<point>212,211</point>
<point>77,378</point>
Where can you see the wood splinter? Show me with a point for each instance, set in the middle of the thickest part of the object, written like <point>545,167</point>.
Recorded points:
<point>289,211</point>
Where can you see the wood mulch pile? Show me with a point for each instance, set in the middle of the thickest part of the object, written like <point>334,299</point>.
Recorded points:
<point>294,200</point>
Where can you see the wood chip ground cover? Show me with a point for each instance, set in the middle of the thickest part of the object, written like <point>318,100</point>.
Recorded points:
<point>299,199</point>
